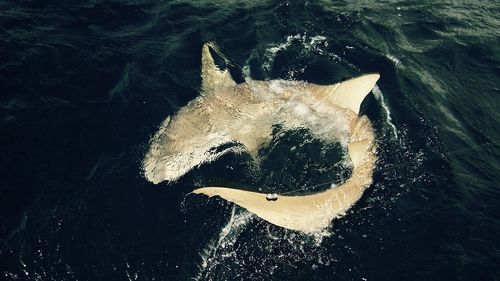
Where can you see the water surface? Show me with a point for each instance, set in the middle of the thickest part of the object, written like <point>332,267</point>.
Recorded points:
<point>85,86</point>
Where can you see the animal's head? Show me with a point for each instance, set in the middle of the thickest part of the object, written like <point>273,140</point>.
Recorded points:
<point>229,117</point>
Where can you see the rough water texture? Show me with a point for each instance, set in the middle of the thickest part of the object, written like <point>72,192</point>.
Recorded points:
<point>85,86</point>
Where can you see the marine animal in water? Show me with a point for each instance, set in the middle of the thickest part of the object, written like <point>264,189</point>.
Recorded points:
<point>236,117</point>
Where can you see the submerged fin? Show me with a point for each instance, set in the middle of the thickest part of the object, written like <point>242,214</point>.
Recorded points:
<point>348,94</point>
<point>212,77</point>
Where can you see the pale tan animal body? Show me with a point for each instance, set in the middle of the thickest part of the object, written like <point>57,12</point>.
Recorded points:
<point>243,114</point>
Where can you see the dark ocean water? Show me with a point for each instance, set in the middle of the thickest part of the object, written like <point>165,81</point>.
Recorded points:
<point>84,86</point>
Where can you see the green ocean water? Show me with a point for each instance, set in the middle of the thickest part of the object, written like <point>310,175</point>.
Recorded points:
<point>84,86</point>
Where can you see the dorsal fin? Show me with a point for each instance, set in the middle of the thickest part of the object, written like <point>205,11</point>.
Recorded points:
<point>212,77</point>
<point>348,94</point>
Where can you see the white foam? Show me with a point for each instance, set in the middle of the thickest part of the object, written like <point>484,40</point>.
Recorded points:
<point>211,255</point>
<point>388,119</point>
<point>394,59</point>
<point>311,44</point>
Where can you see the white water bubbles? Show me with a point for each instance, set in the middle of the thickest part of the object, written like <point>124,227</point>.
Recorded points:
<point>387,113</point>
<point>245,248</point>
<point>317,44</point>
<point>221,248</point>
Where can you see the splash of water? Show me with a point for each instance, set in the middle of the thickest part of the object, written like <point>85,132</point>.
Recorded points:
<point>214,250</point>
<point>387,113</point>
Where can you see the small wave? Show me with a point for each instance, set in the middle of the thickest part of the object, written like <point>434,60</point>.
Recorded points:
<point>311,44</point>
<point>394,59</point>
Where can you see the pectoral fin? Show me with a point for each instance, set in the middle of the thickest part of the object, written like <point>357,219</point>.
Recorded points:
<point>348,94</point>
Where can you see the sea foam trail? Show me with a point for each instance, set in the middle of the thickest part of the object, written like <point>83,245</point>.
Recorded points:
<point>211,255</point>
<point>388,119</point>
